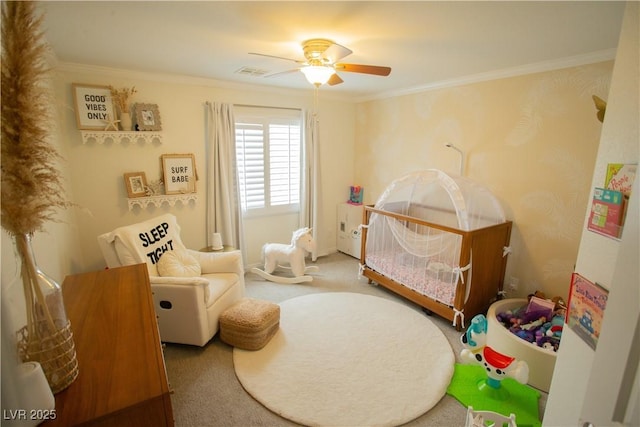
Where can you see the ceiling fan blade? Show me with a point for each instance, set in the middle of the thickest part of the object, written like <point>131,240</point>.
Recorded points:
<point>277,57</point>
<point>334,80</point>
<point>364,69</point>
<point>335,53</point>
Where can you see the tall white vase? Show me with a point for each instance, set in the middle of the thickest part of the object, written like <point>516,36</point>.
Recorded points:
<point>125,121</point>
<point>47,338</point>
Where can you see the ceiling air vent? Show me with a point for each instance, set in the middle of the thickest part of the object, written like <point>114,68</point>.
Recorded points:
<point>251,71</point>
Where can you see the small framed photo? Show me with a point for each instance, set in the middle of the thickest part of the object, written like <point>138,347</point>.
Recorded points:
<point>179,172</point>
<point>148,117</point>
<point>94,106</point>
<point>136,183</point>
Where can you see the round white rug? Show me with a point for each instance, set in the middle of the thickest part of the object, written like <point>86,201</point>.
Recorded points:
<point>348,359</point>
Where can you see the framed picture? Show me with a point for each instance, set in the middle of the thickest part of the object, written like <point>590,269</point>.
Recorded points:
<point>587,302</point>
<point>179,172</point>
<point>136,183</point>
<point>147,117</point>
<point>94,106</point>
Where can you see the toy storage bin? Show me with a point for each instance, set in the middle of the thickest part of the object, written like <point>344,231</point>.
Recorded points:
<point>541,362</point>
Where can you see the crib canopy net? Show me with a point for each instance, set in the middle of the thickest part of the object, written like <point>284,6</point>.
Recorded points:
<point>421,257</point>
<point>434,196</point>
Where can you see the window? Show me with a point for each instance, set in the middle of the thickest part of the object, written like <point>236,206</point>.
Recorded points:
<point>268,156</point>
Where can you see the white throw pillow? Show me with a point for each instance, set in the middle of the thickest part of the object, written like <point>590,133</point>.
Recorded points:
<point>178,264</point>
<point>146,241</point>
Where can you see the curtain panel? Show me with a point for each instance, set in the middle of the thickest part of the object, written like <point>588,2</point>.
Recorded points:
<point>311,188</point>
<point>223,214</point>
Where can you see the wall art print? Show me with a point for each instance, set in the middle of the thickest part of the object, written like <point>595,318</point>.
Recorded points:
<point>179,171</point>
<point>94,106</point>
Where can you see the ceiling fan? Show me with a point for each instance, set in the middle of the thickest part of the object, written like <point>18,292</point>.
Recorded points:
<point>321,63</point>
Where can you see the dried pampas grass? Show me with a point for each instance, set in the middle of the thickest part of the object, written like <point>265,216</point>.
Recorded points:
<point>121,97</point>
<point>31,187</point>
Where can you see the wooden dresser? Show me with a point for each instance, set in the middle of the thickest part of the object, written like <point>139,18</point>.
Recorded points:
<point>122,380</point>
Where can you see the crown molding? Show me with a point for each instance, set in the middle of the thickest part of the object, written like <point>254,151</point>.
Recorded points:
<point>573,61</point>
<point>73,67</point>
<point>538,67</point>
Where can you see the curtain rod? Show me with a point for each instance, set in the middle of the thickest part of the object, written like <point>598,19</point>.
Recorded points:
<point>266,106</point>
<point>262,106</point>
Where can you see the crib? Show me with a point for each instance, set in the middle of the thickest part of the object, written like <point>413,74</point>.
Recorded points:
<point>440,241</point>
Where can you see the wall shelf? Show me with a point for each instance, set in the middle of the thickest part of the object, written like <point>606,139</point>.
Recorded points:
<point>120,137</point>
<point>157,201</point>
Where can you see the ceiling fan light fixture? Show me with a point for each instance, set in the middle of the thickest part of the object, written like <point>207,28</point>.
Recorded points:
<point>317,74</point>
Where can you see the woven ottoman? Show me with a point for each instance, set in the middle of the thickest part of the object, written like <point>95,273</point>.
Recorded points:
<point>249,324</point>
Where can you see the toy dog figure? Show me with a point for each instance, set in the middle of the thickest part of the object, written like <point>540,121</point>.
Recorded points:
<point>497,365</point>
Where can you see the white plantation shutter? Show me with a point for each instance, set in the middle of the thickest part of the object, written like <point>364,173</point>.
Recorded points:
<point>284,164</point>
<point>268,155</point>
<point>250,164</point>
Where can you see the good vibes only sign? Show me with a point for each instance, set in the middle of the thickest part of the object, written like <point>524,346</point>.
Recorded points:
<point>94,106</point>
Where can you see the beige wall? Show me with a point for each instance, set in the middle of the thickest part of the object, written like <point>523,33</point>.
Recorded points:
<point>532,139</point>
<point>589,386</point>
<point>96,171</point>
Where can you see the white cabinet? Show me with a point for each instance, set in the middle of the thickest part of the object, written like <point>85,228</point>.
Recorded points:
<point>349,220</point>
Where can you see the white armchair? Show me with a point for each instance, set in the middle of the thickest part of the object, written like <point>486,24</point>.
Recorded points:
<point>190,288</point>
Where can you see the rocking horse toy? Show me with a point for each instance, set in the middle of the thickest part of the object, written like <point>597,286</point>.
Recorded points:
<point>276,254</point>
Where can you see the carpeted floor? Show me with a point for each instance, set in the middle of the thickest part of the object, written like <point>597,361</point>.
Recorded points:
<point>207,392</point>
